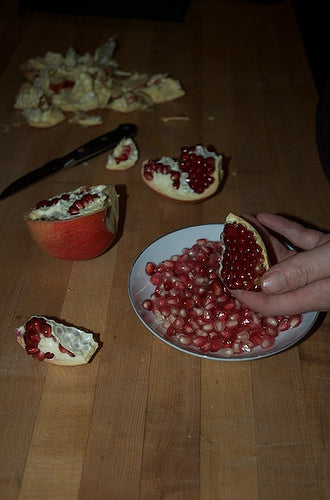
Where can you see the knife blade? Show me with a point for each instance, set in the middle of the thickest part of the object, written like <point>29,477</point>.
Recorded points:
<point>83,153</point>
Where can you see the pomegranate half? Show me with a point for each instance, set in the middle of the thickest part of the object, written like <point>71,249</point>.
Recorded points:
<point>77,225</point>
<point>48,340</point>
<point>193,177</point>
<point>244,258</point>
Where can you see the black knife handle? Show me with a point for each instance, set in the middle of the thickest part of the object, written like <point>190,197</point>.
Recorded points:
<point>83,153</point>
<point>99,145</point>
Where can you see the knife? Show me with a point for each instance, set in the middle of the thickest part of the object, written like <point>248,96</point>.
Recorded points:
<point>85,152</point>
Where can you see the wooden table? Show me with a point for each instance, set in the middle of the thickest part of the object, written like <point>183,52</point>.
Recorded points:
<point>143,420</point>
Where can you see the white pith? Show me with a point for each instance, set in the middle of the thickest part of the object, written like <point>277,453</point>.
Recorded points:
<point>59,211</point>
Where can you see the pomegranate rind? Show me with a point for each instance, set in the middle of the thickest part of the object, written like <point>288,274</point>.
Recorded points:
<point>163,185</point>
<point>79,342</point>
<point>81,237</point>
<point>114,160</point>
<point>236,220</point>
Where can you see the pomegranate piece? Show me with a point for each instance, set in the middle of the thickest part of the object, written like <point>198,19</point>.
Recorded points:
<point>197,311</point>
<point>48,340</point>
<point>76,225</point>
<point>245,257</point>
<point>124,156</point>
<point>56,87</point>
<point>195,176</point>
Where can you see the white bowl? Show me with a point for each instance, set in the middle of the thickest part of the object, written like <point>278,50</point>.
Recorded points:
<point>140,288</point>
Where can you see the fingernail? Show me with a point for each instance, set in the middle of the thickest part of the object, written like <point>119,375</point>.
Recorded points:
<point>274,282</point>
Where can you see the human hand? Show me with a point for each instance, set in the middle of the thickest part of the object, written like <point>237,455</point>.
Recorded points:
<point>300,281</point>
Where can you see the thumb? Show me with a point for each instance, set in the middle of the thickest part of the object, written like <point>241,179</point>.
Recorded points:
<point>298,270</point>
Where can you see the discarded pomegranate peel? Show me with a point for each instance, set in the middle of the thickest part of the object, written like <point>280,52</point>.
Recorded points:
<point>48,340</point>
<point>124,156</point>
<point>195,176</point>
<point>76,225</point>
<point>244,258</point>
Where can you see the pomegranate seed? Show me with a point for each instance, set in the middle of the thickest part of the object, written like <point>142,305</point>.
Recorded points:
<point>226,352</point>
<point>267,341</point>
<point>183,339</point>
<point>49,355</point>
<point>150,268</point>
<point>147,305</point>
<point>32,350</point>
<point>284,325</point>
<point>34,325</point>
<point>46,330</point>
<point>65,351</point>
<point>86,199</point>
<point>170,331</point>
<point>219,326</point>
<point>295,320</point>
<point>32,338</point>
<point>156,279</point>
<point>148,175</point>
<point>73,210</point>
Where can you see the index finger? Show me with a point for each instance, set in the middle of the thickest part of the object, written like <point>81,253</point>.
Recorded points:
<point>312,297</point>
<point>273,244</point>
<point>297,234</point>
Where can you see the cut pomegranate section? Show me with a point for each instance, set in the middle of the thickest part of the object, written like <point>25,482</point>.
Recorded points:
<point>76,225</point>
<point>198,312</point>
<point>195,176</point>
<point>245,257</point>
<point>48,340</point>
<point>124,156</point>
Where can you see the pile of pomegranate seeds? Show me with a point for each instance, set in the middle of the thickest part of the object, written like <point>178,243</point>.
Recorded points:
<point>242,262</point>
<point>194,168</point>
<point>198,312</point>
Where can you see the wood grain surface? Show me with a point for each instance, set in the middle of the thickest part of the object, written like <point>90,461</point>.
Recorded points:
<point>143,420</point>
